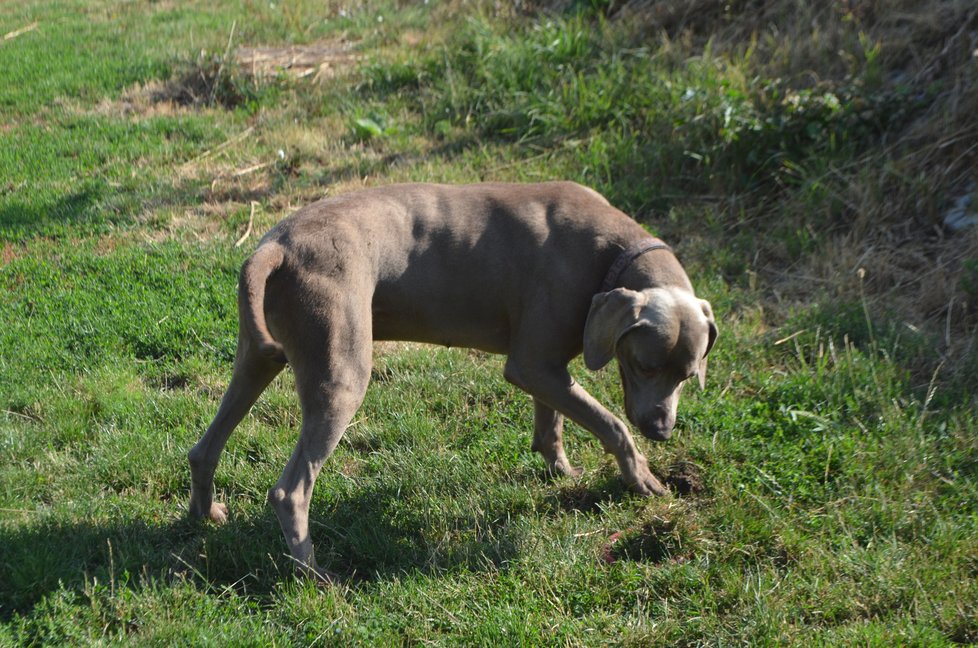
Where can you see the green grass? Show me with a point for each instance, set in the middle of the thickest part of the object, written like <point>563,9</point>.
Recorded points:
<point>825,482</point>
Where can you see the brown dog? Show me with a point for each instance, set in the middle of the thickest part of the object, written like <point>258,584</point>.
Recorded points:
<point>537,272</point>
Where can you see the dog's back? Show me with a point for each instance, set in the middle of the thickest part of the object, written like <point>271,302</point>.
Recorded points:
<point>454,265</point>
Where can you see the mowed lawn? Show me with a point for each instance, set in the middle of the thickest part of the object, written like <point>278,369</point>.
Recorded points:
<point>824,485</point>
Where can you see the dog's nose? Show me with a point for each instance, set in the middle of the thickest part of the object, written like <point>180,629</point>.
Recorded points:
<point>658,424</point>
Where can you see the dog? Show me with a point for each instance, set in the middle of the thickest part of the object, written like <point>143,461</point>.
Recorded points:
<point>538,272</point>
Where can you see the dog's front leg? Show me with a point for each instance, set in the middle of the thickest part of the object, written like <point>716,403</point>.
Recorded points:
<point>548,439</point>
<point>555,388</point>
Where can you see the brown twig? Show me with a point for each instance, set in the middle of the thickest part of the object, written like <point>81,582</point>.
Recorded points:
<point>251,223</point>
<point>17,32</point>
<point>223,145</point>
<point>251,169</point>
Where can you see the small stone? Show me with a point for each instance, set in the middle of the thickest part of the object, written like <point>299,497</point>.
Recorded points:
<point>961,216</point>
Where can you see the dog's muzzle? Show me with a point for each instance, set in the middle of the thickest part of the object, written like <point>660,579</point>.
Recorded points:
<point>658,424</point>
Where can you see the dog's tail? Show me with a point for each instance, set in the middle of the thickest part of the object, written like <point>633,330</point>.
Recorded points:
<point>251,298</point>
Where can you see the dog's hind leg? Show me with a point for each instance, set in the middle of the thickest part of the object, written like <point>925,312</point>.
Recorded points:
<point>331,378</point>
<point>252,373</point>
<point>548,432</point>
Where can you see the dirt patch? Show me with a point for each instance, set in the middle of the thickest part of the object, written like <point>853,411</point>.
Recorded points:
<point>684,479</point>
<point>9,253</point>
<point>228,82</point>
<point>184,93</point>
<point>320,60</point>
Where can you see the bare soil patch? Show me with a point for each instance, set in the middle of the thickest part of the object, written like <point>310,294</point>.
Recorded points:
<point>223,82</point>
<point>684,479</point>
<point>321,60</point>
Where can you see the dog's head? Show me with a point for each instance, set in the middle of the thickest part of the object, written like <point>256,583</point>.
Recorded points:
<point>661,337</point>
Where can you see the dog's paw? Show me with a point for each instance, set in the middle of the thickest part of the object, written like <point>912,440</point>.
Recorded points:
<point>216,513</point>
<point>648,486</point>
<point>642,481</point>
<point>564,467</point>
<point>319,576</point>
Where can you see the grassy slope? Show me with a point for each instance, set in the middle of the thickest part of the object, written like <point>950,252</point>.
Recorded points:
<point>831,482</point>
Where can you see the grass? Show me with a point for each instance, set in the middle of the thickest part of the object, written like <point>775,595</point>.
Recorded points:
<point>824,484</point>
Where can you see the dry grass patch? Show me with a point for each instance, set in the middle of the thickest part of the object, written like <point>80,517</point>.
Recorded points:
<point>228,81</point>
<point>320,60</point>
<point>144,100</point>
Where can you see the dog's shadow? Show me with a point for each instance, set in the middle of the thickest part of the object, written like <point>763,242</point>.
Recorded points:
<point>368,537</point>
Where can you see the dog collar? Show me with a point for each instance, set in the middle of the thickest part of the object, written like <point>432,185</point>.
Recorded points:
<point>627,257</point>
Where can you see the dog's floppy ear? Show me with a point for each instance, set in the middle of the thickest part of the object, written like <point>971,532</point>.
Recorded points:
<point>710,340</point>
<point>612,314</point>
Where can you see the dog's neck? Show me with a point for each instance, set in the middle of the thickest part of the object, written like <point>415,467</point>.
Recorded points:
<point>628,256</point>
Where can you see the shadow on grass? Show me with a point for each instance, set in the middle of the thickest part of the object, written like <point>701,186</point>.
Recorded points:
<point>682,478</point>
<point>92,207</point>
<point>367,537</point>
<point>657,542</point>
<point>589,498</point>
<point>372,536</point>
<point>38,560</point>
<point>96,206</point>
<point>20,220</point>
<point>380,535</point>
